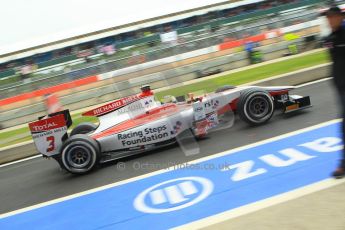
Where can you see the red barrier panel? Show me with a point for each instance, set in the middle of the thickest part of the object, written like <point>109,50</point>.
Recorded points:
<point>53,89</point>
<point>237,43</point>
<point>231,44</point>
<point>256,38</point>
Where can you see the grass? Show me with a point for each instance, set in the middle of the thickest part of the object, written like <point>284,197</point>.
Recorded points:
<point>238,78</point>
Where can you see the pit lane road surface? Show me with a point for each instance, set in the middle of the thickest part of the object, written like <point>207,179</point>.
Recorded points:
<point>39,180</point>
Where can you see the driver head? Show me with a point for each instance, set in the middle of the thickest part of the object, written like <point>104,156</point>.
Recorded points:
<point>335,17</point>
<point>145,88</point>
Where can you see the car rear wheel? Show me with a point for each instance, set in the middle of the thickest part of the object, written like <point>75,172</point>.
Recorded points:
<point>80,154</point>
<point>255,106</point>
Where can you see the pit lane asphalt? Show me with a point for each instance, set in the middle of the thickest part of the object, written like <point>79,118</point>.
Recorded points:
<point>39,180</point>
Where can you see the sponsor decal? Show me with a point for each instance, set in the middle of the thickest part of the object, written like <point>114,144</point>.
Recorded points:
<point>173,195</point>
<point>202,126</point>
<point>57,121</point>
<point>213,103</point>
<point>177,128</point>
<point>212,120</point>
<point>135,106</point>
<point>202,109</point>
<point>43,127</point>
<point>292,107</point>
<point>284,97</point>
<point>112,106</point>
<point>148,102</point>
<point>108,107</point>
<point>199,111</point>
<point>128,139</point>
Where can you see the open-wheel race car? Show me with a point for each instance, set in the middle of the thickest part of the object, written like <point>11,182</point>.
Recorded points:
<point>139,123</point>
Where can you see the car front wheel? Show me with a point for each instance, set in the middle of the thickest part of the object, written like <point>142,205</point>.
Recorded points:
<point>255,106</point>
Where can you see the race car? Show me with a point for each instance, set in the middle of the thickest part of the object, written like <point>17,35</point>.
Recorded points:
<point>138,123</point>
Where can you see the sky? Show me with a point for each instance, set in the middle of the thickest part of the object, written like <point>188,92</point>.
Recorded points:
<point>25,22</point>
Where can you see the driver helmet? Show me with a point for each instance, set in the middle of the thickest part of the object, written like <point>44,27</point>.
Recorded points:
<point>145,88</point>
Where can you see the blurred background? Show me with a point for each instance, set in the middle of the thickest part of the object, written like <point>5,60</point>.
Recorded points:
<point>161,46</point>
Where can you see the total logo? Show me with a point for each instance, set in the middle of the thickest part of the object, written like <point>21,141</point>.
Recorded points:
<point>43,126</point>
<point>173,195</point>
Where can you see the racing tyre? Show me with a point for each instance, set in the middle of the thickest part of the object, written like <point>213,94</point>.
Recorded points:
<point>255,106</point>
<point>80,154</point>
<point>84,128</point>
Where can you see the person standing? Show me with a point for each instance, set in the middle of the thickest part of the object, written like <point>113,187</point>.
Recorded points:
<point>335,42</point>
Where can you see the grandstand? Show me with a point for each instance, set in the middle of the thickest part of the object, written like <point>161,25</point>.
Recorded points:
<point>139,37</point>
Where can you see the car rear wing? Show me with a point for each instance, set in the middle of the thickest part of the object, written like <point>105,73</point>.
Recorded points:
<point>49,132</point>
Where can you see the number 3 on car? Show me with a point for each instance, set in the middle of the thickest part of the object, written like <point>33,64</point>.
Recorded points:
<point>49,134</point>
<point>51,143</point>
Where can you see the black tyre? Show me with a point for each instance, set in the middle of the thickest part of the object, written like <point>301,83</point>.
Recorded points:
<point>224,88</point>
<point>84,128</point>
<point>79,154</point>
<point>255,106</point>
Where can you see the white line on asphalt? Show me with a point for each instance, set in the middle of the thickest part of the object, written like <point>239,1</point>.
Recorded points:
<point>313,82</point>
<point>19,161</point>
<point>16,145</point>
<point>237,212</point>
<point>228,152</point>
